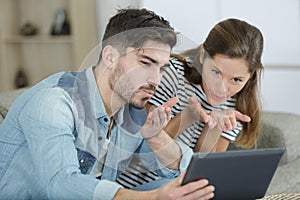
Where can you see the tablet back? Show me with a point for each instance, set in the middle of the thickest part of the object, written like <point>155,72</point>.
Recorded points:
<point>239,174</point>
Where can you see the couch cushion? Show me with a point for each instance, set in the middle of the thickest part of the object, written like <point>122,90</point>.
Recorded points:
<point>279,129</point>
<point>286,179</point>
<point>271,137</point>
<point>287,124</point>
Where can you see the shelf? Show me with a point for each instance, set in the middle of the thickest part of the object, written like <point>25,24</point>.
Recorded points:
<point>43,54</point>
<point>44,39</point>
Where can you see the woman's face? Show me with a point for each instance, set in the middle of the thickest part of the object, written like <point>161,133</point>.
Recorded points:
<point>223,77</point>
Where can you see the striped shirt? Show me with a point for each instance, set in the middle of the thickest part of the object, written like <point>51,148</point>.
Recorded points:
<point>173,84</point>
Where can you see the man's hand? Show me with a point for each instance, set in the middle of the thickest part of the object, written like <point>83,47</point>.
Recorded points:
<point>158,119</point>
<point>194,190</point>
<point>197,190</point>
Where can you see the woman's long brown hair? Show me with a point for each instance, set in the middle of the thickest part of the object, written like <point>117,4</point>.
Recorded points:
<point>236,39</point>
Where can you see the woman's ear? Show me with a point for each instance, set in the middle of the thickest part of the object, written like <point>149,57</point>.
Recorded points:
<point>202,52</point>
<point>109,55</point>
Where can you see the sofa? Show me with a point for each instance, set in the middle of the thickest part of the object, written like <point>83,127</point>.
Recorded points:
<point>277,129</point>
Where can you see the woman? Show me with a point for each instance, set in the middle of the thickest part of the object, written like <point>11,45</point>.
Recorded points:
<point>223,75</point>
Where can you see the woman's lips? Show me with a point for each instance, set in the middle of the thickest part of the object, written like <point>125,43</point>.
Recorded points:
<point>217,97</point>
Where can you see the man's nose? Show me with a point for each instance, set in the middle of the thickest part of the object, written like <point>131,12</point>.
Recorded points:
<point>152,82</point>
<point>154,78</point>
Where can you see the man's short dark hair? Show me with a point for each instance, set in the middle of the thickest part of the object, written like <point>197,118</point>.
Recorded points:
<point>133,27</point>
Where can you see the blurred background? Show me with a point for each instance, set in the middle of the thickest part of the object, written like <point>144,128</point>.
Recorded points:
<point>41,37</point>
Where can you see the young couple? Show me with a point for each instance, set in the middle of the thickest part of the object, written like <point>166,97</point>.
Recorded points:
<point>74,134</point>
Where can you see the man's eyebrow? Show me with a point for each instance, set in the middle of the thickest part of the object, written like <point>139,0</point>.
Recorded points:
<point>149,58</point>
<point>154,61</point>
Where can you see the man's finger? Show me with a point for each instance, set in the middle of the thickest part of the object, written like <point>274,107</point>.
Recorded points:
<point>172,102</point>
<point>180,178</point>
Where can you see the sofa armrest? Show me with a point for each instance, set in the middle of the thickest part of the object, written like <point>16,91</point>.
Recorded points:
<point>3,112</point>
<point>6,99</point>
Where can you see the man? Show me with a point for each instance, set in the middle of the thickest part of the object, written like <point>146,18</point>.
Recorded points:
<point>75,126</point>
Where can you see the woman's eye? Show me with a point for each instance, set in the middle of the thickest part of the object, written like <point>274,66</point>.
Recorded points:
<point>237,80</point>
<point>215,71</point>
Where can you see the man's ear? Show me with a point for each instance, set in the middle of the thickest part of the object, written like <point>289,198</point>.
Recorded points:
<point>109,55</point>
<point>202,52</point>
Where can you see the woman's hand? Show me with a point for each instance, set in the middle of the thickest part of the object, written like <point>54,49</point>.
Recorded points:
<point>195,111</point>
<point>226,120</point>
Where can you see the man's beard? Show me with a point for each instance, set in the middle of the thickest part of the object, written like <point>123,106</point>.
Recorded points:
<point>140,102</point>
<point>123,87</point>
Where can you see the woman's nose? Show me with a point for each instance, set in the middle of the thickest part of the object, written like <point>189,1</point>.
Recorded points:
<point>222,87</point>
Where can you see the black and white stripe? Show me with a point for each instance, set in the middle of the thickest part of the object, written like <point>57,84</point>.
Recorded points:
<point>173,84</point>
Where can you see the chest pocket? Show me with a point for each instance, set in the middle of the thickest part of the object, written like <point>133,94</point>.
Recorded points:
<point>85,160</point>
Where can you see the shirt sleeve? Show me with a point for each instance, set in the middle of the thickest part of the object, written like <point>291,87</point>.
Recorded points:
<point>233,134</point>
<point>150,160</point>
<point>106,190</point>
<point>48,124</point>
<point>187,154</point>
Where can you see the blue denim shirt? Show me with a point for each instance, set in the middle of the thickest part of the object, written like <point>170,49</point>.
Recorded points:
<point>53,136</point>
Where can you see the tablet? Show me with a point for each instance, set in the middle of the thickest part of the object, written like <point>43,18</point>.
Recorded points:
<point>236,174</point>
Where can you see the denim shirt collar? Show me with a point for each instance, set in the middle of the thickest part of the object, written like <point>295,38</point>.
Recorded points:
<point>99,108</point>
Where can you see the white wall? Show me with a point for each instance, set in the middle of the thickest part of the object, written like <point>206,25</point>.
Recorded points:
<point>107,8</point>
<point>281,90</point>
<point>279,21</point>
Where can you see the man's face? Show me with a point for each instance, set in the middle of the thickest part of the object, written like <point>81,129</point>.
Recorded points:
<point>138,72</point>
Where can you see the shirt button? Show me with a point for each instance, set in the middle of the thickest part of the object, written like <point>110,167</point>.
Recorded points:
<point>81,161</point>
